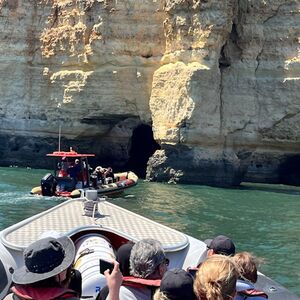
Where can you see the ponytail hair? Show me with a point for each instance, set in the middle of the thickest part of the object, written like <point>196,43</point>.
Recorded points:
<point>216,278</point>
<point>160,295</point>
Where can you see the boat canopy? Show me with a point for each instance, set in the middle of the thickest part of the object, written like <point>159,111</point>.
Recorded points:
<point>68,154</point>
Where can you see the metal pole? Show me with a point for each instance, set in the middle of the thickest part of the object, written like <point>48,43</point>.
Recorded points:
<point>59,134</point>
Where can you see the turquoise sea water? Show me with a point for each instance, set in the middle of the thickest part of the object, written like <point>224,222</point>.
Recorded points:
<point>262,219</point>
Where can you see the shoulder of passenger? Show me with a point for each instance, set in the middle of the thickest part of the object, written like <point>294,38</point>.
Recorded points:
<point>11,296</point>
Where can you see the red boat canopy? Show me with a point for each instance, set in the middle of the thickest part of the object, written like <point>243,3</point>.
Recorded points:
<point>68,154</point>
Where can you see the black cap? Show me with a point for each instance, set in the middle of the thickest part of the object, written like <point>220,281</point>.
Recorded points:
<point>177,284</point>
<point>221,245</point>
<point>123,257</point>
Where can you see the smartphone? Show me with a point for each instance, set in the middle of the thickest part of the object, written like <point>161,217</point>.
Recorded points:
<point>104,265</point>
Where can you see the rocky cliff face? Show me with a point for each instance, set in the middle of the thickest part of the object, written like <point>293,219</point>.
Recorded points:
<point>217,81</point>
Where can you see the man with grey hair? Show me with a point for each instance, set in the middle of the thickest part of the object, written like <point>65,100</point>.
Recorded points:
<point>148,264</point>
<point>146,259</point>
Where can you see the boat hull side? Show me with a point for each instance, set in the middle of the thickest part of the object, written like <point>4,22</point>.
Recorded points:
<point>9,261</point>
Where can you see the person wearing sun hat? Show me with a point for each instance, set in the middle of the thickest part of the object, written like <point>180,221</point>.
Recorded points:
<point>44,275</point>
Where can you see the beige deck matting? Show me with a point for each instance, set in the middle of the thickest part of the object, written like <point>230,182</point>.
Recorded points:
<point>68,216</point>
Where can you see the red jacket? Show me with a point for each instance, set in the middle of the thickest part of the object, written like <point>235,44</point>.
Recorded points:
<point>30,293</point>
<point>140,282</point>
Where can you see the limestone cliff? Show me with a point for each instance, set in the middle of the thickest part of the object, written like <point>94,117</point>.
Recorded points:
<point>217,81</point>
<point>85,65</point>
<point>228,89</point>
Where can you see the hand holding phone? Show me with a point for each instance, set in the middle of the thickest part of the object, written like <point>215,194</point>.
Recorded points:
<point>104,265</point>
<point>114,280</point>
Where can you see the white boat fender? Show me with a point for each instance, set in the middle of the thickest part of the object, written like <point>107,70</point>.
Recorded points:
<point>89,250</point>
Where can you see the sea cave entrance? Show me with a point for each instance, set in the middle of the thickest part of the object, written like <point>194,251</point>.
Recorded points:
<point>289,171</point>
<point>142,147</point>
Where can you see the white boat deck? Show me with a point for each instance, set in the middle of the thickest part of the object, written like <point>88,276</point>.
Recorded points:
<point>70,214</point>
<point>68,218</point>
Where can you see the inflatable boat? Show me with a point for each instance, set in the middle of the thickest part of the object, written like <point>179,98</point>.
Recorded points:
<point>98,228</point>
<point>73,176</point>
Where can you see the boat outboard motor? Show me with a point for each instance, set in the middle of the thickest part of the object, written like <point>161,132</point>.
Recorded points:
<point>48,185</point>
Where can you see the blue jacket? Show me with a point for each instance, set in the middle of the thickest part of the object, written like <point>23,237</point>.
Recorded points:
<point>242,285</point>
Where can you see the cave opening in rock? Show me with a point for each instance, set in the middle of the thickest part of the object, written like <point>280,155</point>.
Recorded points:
<point>289,171</point>
<point>143,146</point>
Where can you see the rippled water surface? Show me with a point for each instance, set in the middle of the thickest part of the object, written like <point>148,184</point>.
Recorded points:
<point>263,219</point>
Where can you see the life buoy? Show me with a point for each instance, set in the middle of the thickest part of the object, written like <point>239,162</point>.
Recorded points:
<point>75,194</point>
<point>36,190</point>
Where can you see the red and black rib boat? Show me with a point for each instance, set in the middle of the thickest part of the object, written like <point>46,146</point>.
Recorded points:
<point>72,177</point>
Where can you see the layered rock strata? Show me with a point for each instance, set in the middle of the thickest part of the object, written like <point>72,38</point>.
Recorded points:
<point>84,65</point>
<point>225,101</point>
<point>217,81</point>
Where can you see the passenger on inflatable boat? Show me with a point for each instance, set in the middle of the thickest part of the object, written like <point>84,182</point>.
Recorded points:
<point>63,167</point>
<point>99,173</point>
<point>109,175</point>
<point>47,272</point>
<point>176,284</point>
<point>216,278</point>
<point>248,276</point>
<point>148,264</point>
<point>74,170</point>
